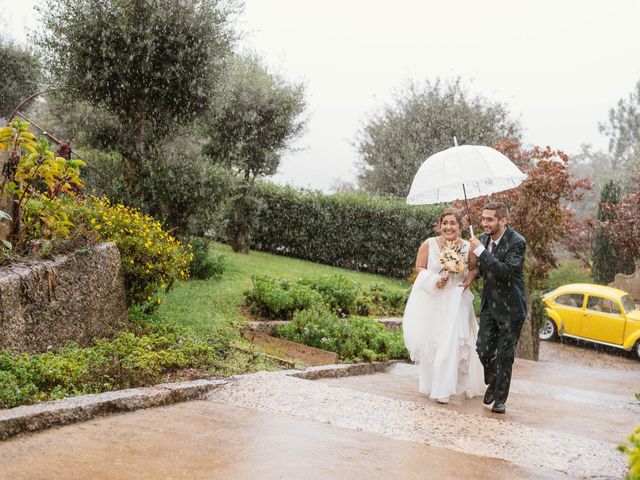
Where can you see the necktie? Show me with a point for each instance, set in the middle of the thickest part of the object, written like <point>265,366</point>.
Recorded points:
<point>492,247</point>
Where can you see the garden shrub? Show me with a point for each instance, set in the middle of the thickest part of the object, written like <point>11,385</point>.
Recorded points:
<point>354,339</point>
<point>382,300</point>
<point>152,260</point>
<point>633,452</point>
<point>34,178</point>
<point>131,359</point>
<point>279,298</point>
<point>339,292</point>
<point>357,232</point>
<point>567,272</point>
<point>204,264</point>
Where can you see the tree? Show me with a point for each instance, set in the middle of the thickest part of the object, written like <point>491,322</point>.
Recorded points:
<point>623,128</point>
<point>423,120</point>
<point>254,121</point>
<point>152,64</point>
<point>622,226</point>
<point>539,211</point>
<point>20,76</point>
<point>606,259</point>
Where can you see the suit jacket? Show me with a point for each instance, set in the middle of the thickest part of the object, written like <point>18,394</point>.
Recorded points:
<point>503,295</point>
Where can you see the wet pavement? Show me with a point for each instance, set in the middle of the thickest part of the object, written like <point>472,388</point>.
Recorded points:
<point>564,418</point>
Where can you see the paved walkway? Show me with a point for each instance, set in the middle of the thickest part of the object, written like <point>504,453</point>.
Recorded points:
<point>563,421</point>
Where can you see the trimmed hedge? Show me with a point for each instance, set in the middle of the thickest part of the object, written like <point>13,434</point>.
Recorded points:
<point>357,232</point>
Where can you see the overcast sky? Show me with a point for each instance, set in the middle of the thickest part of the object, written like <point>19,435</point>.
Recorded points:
<point>559,65</point>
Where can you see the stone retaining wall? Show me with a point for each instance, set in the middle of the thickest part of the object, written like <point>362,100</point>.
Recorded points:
<point>629,283</point>
<point>46,304</point>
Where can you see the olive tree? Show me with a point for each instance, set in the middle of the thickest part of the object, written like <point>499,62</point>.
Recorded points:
<point>422,120</point>
<point>20,75</point>
<point>152,64</point>
<point>256,117</point>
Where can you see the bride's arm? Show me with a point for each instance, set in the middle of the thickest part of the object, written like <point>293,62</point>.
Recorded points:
<point>423,256</point>
<point>473,271</point>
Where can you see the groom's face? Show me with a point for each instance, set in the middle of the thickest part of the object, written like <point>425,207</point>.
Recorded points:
<point>491,224</point>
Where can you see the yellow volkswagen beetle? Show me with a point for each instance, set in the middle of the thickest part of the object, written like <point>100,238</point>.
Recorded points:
<point>594,313</point>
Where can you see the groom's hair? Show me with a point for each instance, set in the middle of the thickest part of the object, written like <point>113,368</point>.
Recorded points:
<point>500,209</point>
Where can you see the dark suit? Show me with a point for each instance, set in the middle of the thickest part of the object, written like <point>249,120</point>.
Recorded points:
<point>503,308</point>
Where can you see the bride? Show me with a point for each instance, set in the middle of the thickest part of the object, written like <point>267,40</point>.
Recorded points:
<point>439,325</point>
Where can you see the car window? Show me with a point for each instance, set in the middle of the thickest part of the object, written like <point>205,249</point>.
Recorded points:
<point>628,304</point>
<point>604,305</point>
<point>570,299</point>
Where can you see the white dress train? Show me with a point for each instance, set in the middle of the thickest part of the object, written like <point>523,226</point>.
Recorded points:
<point>440,333</point>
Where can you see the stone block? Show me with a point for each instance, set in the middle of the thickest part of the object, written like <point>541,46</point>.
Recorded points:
<point>74,297</point>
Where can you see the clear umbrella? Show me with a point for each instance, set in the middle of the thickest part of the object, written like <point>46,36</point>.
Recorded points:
<point>462,172</point>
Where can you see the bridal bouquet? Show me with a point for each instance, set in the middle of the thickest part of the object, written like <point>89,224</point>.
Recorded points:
<point>451,259</point>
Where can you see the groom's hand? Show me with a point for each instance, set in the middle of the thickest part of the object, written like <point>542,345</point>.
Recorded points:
<point>474,243</point>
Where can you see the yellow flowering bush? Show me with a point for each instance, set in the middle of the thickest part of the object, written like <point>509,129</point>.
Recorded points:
<point>152,259</point>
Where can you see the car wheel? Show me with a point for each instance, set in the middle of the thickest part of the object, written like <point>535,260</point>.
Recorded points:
<point>548,330</point>
<point>636,349</point>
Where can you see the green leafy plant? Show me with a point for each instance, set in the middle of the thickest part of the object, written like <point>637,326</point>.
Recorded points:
<point>633,452</point>
<point>567,272</point>
<point>140,356</point>
<point>381,300</point>
<point>279,298</point>
<point>204,264</point>
<point>5,245</point>
<point>339,292</point>
<point>34,174</point>
<point>354,339</point>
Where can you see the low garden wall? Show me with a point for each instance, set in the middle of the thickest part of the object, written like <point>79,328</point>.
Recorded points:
<point>629,283</point>
<point>74,297</point>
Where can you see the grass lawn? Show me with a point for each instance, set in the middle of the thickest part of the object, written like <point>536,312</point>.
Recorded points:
<point>204,305</point>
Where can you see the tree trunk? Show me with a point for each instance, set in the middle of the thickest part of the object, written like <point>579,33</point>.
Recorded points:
<point>529,343</point>
<point>240,222</point>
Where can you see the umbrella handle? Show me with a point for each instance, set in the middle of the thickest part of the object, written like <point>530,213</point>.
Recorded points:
<point>471,229</point>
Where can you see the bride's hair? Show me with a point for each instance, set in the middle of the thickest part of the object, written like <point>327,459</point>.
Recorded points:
<point>451,211</point>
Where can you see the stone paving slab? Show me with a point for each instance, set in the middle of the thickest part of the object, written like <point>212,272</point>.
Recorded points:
<point>492,437</point>
<point>30,418</point>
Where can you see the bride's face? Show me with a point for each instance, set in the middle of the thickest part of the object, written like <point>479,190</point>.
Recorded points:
<point>449,227</point>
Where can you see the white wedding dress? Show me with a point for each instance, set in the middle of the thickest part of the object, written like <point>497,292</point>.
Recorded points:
<point>440,332</point>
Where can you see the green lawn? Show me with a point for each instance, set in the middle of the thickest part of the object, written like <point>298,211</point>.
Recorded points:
<point>204,305</point>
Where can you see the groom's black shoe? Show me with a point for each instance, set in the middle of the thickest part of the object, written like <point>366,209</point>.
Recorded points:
<point>489,395</point>
<point>499,408</point>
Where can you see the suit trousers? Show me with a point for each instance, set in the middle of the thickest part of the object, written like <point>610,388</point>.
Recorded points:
<point>496,347</point>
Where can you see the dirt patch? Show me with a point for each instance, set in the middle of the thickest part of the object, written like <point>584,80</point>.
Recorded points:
<point>291,351</point>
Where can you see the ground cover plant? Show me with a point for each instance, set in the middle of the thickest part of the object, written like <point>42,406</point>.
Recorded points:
<point>354,338</point>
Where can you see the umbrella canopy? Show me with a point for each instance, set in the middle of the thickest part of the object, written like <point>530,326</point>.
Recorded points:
<point>467,171</point>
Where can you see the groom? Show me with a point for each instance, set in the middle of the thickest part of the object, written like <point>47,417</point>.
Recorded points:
<point>500,251</point>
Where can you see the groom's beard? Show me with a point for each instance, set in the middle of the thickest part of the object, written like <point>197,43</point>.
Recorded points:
<point>493,231</point>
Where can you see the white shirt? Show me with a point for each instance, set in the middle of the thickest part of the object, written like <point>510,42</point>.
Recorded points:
<point>478,251</point>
